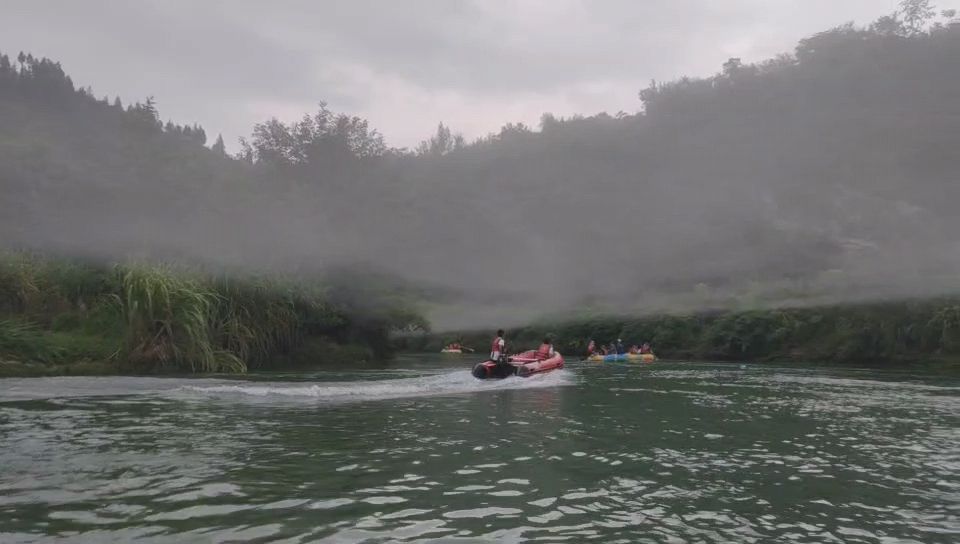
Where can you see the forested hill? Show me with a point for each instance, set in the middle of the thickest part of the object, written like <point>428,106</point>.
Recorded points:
<point>836,165</point>
<point>85,175</point>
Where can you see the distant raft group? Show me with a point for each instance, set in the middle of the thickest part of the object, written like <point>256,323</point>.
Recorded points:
<point>611,353</point>
<point>615,352</point>
<point>622,357</point>
<point>456,347</point>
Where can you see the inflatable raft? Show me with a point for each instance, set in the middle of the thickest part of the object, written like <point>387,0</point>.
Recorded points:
<point>524,364</point>
<point>614,358</point>
<point>641,357</point>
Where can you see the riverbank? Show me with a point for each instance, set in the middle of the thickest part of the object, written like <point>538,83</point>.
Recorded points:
<point>883,333</point>
<point>71,317</point>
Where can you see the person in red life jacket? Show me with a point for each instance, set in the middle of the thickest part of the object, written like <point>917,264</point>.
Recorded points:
<point>498,349</point>
<point>591,347</point>
<point>634,349</point>
<point>645,348</point>
<point>545,351</point>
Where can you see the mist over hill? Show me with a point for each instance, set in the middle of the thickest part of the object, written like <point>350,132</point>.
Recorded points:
<point>832,170</point>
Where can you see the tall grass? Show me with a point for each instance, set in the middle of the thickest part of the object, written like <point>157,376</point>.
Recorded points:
<point>258,318</point>
<point>175,318</point>
<point>22,338</point>
<point>20,283</point>
<point>40,288</point>
<point>170,322</point>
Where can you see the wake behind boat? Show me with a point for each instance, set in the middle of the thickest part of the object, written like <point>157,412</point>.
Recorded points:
<point>524,365</point>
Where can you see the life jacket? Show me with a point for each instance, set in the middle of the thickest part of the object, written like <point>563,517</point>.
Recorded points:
<point>591,347</point>
<point>544,351</point>
<point>495,346</point>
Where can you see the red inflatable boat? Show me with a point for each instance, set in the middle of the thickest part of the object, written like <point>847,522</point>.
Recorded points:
<point>524,364</point>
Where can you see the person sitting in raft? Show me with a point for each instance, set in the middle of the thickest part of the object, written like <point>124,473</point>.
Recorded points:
<point>634,349</point>
<point>545,351</point>
<point>498,349</point>
<point>645,348</point>
<point>620,349</point>
<point>591,348</point>
<point>603,350</point>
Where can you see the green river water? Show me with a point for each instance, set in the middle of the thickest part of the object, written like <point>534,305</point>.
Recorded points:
<point>422,451</point>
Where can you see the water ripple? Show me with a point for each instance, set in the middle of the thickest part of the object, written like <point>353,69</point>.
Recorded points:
<point>608,454</point>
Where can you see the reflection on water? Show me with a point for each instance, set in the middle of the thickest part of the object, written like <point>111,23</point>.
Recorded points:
<point>668,453</point>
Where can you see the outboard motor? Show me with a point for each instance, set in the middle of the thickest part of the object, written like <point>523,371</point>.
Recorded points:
<point>480,371</point>
<point>491,369</point>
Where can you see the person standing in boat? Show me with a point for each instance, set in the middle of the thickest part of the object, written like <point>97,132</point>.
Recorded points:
<point>498,350</point>
<point>620,349</point>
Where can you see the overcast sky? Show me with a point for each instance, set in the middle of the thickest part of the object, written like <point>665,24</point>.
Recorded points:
<point>404,64</point>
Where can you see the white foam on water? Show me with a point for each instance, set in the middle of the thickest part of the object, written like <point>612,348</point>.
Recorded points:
<point>451,383</point>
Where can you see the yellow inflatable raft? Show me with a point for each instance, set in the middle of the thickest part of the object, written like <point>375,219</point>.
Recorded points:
<point>641,357</point>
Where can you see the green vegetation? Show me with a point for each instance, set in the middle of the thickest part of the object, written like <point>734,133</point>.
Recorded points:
<point>827,174</point>
<point>876,333</point>
<point>70,316</point>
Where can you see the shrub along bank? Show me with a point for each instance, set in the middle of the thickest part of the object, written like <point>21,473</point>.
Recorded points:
<point>877,333</point>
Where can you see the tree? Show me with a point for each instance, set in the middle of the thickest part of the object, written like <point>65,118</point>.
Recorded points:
<point>272,143</point>
<point>199,135</point>
<point>150,108</point>
<point>218,146</point>
<point>649,95</point>
<point>888,25</point>
<point>916,13</point>
<point>548,122</point>
<point>441,143</point>
<point>246,153</point>
<point>732,66</point>
<point>314,140</point>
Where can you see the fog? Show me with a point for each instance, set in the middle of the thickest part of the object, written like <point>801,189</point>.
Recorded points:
<point>826,174</point>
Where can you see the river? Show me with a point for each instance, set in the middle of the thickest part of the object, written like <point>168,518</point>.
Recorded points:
<point>422,451</point>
